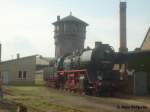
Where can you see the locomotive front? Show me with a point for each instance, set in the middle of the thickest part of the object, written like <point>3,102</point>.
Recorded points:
<point>102,57</point>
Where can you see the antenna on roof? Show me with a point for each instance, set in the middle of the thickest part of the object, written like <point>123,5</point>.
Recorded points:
<point>70,13</point>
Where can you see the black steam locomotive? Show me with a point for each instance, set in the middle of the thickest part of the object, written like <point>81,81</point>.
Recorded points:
<point>89,71</point>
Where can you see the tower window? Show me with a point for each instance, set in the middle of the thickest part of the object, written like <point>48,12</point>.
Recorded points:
<point>56,28</point>
<point>67,27</point>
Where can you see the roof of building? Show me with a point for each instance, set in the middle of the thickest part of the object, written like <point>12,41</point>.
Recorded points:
<point>39,60</point>
<point>12,60</point>
<point>70,18</point>
<point>146,37</point>
<point>43,60</point>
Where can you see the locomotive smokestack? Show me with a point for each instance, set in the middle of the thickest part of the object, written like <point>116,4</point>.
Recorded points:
<point>97,44</point>
<point>123,41</point>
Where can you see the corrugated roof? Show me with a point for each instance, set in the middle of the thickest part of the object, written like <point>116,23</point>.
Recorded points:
<point>70,18</point>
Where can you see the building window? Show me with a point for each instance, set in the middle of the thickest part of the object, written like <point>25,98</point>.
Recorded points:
<point>1,77</point>
<point>22,75</point>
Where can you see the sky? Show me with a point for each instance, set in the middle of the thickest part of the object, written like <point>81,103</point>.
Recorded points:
<point>26,25</point>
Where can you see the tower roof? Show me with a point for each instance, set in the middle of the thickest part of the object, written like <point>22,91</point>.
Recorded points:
<point>70,18</point>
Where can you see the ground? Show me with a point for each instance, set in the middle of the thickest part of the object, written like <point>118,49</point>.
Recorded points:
<point>42,99</point>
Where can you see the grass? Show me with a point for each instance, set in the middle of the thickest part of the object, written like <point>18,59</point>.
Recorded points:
<point>42,99</point>
<point>37,98</point>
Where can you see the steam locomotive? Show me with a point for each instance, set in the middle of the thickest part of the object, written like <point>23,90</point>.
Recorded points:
<point>89,71</point>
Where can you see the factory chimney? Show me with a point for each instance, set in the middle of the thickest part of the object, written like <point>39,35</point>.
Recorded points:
<point>123,41</point>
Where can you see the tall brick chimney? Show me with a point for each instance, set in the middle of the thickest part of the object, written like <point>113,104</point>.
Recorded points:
<point>123,40</point>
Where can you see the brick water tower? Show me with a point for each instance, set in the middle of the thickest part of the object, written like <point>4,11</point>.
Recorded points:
<point>69,35</point>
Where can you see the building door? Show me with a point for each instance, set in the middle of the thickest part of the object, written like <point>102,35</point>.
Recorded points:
<point>5,77</point>
<point>140,83</point>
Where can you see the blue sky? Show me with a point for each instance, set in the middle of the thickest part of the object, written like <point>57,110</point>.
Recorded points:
<point>25,25</point>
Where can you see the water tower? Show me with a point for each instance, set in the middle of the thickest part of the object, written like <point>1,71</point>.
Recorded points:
<point>69,35</point>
